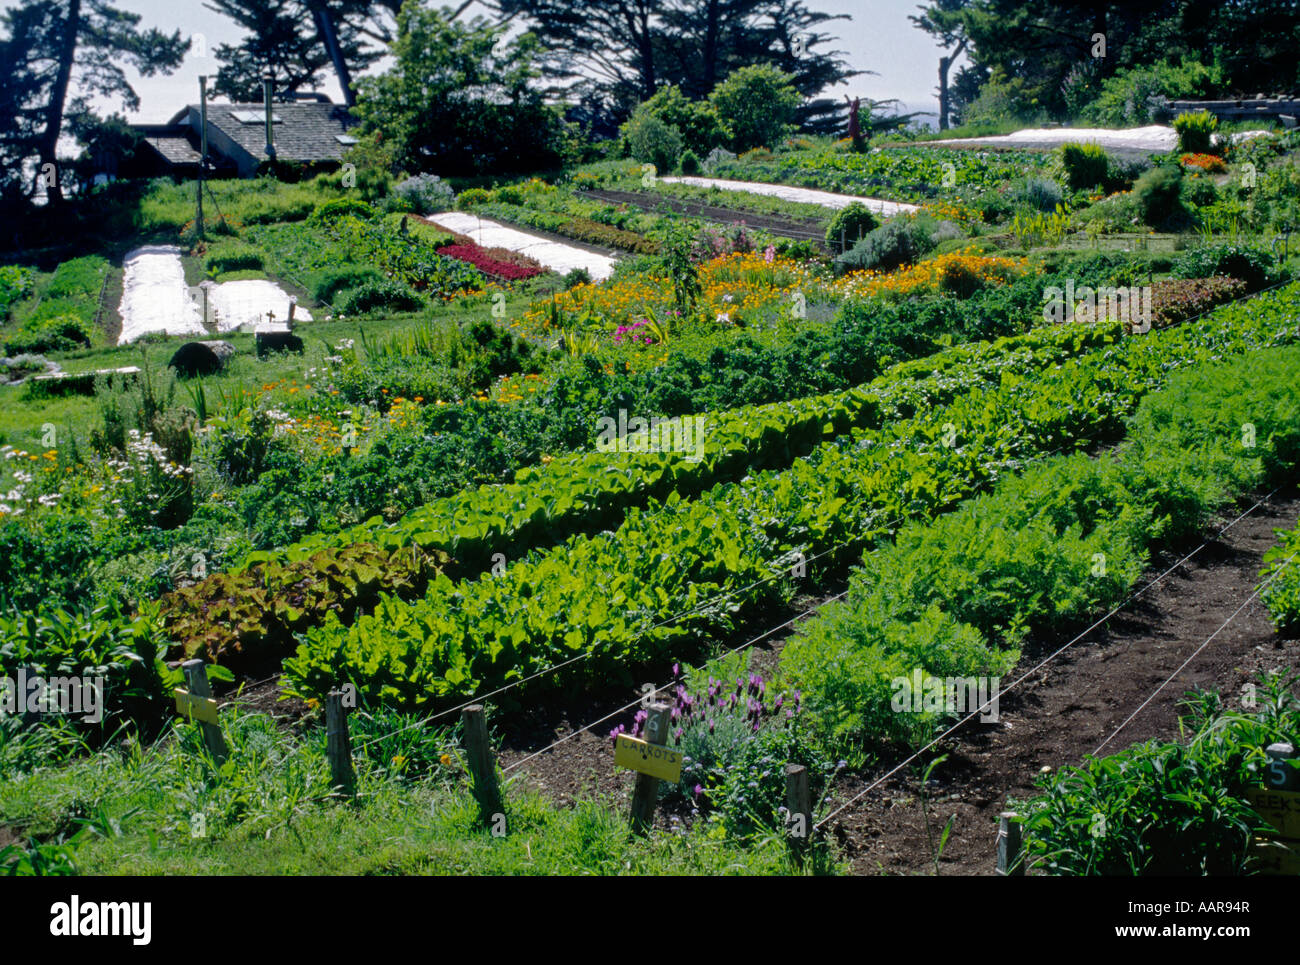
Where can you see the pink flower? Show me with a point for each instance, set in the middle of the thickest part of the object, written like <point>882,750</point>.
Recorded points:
<point>769,253</point>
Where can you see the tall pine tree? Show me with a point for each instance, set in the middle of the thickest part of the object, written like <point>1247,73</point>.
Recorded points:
<point>61,52</point>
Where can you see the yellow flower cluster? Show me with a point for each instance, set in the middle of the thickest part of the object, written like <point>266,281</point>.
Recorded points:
<point>958,273</point>
<point>957,214</point>
<point>735,287</point>
<point>515,388</point>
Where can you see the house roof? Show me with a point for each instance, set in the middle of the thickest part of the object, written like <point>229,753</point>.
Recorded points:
<point>304,131</point>
<point>175,149</point>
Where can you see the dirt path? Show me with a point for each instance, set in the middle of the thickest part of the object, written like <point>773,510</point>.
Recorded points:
<point>1075,703</point>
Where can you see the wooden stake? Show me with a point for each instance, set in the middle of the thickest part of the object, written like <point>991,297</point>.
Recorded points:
<point>338,744</point>
<point>798,804</point>
<point>196,681</point>
<point>482,765</point>
<point>646,792</point>
<point>1010,859</point>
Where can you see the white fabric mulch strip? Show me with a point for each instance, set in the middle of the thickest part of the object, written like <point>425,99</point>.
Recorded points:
<point>235,304</point>
<point>826,199</point>
<point>558,257</point>
<point>1156,137</point>
<point>155,298</point>
<point>154,295</point>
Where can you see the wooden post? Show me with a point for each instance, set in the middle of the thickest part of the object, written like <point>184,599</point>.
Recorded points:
<point>798,804</point>
<point>482,766</point>
<point>646,792</point>
<point>1010,859</point>
<point>196,681</point>
<point>338,745</point>
<point>203,155</point>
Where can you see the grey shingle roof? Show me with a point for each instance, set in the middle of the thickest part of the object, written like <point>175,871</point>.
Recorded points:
<point>306,131</point>
<point>177,150</point>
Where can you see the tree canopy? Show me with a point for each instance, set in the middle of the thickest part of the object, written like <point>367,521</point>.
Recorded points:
<point>58,54</point>
<point>1045,55</point>
<point>619,52</point>
<point>458,100</point>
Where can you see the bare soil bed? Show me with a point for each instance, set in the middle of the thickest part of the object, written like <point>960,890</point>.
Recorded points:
<point>650,201</point>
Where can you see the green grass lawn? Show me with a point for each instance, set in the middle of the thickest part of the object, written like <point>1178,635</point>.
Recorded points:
<point>132,809</point>
<point>22,419</point>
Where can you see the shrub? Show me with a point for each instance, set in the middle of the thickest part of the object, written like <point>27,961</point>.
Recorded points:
<point>21,366</point>
<point>1257,267</point>
<point>696,121</point>
<point>425,193</point>
<point>338,280</point>
<point>690,163</point>
<point>1196,131</point>
<point>375,160</point>
<point>1084,165</point>
<point>1159,196</point>
<point>1201,192</point>
<point>381,295</point>
<point>893,245</point>
<point>576,277</point>
<point>1041,194</point>
<point>850,223</point>
<point>232,255</point>
<point>472,196</point>
<point>1139,95</point>
<point>54,333</point>
<point>333,210</point>
<point>15,285</point>
<point>756,104</point>
<point>651,141</point>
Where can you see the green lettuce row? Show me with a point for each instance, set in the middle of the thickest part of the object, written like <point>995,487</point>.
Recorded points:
<point>1039,555</point>
<point>612,595</point>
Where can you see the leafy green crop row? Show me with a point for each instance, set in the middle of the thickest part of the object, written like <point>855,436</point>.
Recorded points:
<point>1282,575</point>
<point>586,493</point>
<point>1043,551</point>
<point>571,226</point>
<point>899,174</point>
<point>655,584</point>
<point>241,619</point>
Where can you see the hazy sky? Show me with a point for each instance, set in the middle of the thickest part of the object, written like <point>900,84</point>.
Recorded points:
<point>879,37</point>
